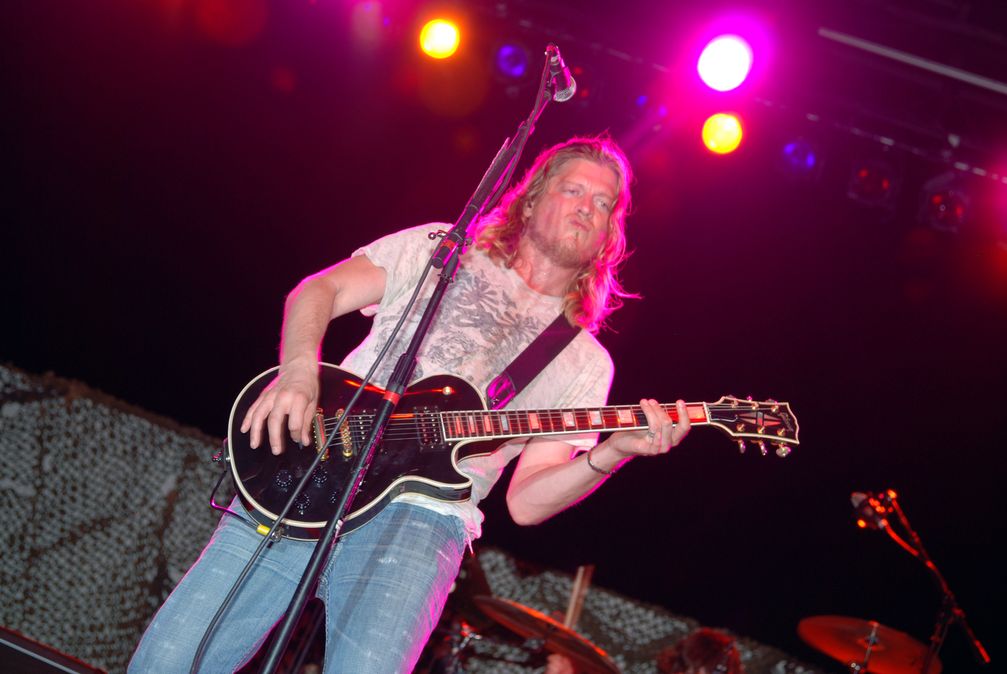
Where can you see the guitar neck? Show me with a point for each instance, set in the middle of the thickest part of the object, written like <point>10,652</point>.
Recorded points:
<point>489,424</point>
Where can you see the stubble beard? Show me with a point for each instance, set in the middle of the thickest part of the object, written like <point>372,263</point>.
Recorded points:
<point>562,252</point>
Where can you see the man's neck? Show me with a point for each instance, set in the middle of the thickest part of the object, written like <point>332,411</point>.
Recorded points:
<point>540,273</point>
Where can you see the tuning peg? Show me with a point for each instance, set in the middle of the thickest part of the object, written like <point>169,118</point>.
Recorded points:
<point>751,403</point>
<point>762,447</point>
<point>734,400</point>
<point>741,446</point>
<point>782,450</point>
<point>781,431</point>
<point>774,406</point>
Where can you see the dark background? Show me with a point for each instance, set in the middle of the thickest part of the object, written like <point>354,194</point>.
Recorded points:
<point>175,167</point>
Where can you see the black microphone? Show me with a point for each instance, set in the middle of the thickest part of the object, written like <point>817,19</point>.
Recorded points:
<point>870,510</point>
<point>563,83</point>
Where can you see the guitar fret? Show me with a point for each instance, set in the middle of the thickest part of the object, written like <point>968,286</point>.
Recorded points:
<point>594,417</point>
<point>487,424</point>
<point>625,417</point>
<point>533,421</point>
<point>504,424</point>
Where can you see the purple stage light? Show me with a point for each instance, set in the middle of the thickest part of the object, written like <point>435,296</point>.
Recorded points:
<point>512,61</point>
<point>799,157</point>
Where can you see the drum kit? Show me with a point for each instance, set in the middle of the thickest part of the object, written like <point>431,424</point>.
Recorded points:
<point>862,646</point>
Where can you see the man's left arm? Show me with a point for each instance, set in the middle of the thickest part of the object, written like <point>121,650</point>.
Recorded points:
<point>547,480</point>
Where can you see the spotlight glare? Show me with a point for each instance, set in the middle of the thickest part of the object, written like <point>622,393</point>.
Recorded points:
<point>725,62</point>
<point>439,38</point>
<point>722,133</point>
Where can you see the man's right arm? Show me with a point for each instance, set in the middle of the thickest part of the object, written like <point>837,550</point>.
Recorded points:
<point>291,399</point>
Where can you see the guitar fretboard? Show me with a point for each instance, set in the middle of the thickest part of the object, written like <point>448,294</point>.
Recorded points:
<point>483,424</point>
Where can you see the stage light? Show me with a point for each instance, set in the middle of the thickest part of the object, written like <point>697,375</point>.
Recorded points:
<point>439,38</point>
<point>873,182</point>
<point>946,203</point>
<point>725,62</point>
<point>799,157</point>
<point>512,61</point>
<point>722,133</point>
<point>800,160</point>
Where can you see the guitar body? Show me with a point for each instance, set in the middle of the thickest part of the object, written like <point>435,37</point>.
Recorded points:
<point>412,457</point>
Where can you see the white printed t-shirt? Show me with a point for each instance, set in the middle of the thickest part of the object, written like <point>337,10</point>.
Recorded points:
<point>487,318</point>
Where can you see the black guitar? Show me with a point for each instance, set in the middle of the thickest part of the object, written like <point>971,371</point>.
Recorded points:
<point>439,422</point>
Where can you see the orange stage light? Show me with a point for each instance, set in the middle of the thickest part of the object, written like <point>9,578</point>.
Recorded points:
<point>439,38</point>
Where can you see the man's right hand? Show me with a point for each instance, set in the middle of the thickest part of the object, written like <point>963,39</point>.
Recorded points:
<point>289,402</point>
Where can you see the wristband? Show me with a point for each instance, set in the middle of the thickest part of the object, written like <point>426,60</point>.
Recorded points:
<point>594,467</point>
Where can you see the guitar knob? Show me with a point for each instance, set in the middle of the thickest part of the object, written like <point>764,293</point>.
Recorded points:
<point>782,450</point>
<point>762,447</point>
<point>741,446</point>
<point>283,480</point>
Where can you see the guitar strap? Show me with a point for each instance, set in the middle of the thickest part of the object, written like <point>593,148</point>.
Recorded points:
<point>530,362</point>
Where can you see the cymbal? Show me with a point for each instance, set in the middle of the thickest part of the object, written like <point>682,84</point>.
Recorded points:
<point>846,639</point>
<point>529,623</point>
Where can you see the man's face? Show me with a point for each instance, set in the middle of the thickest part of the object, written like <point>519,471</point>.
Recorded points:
<point>569,221</point>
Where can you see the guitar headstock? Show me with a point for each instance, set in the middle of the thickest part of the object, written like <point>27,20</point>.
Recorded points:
<point>766,422</point>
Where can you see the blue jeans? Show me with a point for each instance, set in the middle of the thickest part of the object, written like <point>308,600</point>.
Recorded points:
<point>384,588</point>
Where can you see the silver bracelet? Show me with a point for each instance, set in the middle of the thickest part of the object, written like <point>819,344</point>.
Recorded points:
<point>594,467</point>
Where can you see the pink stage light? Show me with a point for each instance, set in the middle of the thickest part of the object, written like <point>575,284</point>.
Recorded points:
<point>725,62</point>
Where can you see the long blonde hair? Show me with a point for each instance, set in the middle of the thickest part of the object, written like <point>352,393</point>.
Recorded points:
<point>596,290</point>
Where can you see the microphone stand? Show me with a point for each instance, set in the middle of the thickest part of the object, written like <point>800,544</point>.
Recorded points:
<point>950,612</point>
<point>446,257</point>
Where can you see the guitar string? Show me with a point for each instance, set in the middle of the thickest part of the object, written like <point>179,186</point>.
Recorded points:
<point>514,419</point>
<point>515,415</point>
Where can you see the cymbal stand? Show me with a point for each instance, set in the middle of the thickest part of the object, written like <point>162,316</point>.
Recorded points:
<point>462,634</point>
<point>872,640</point>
